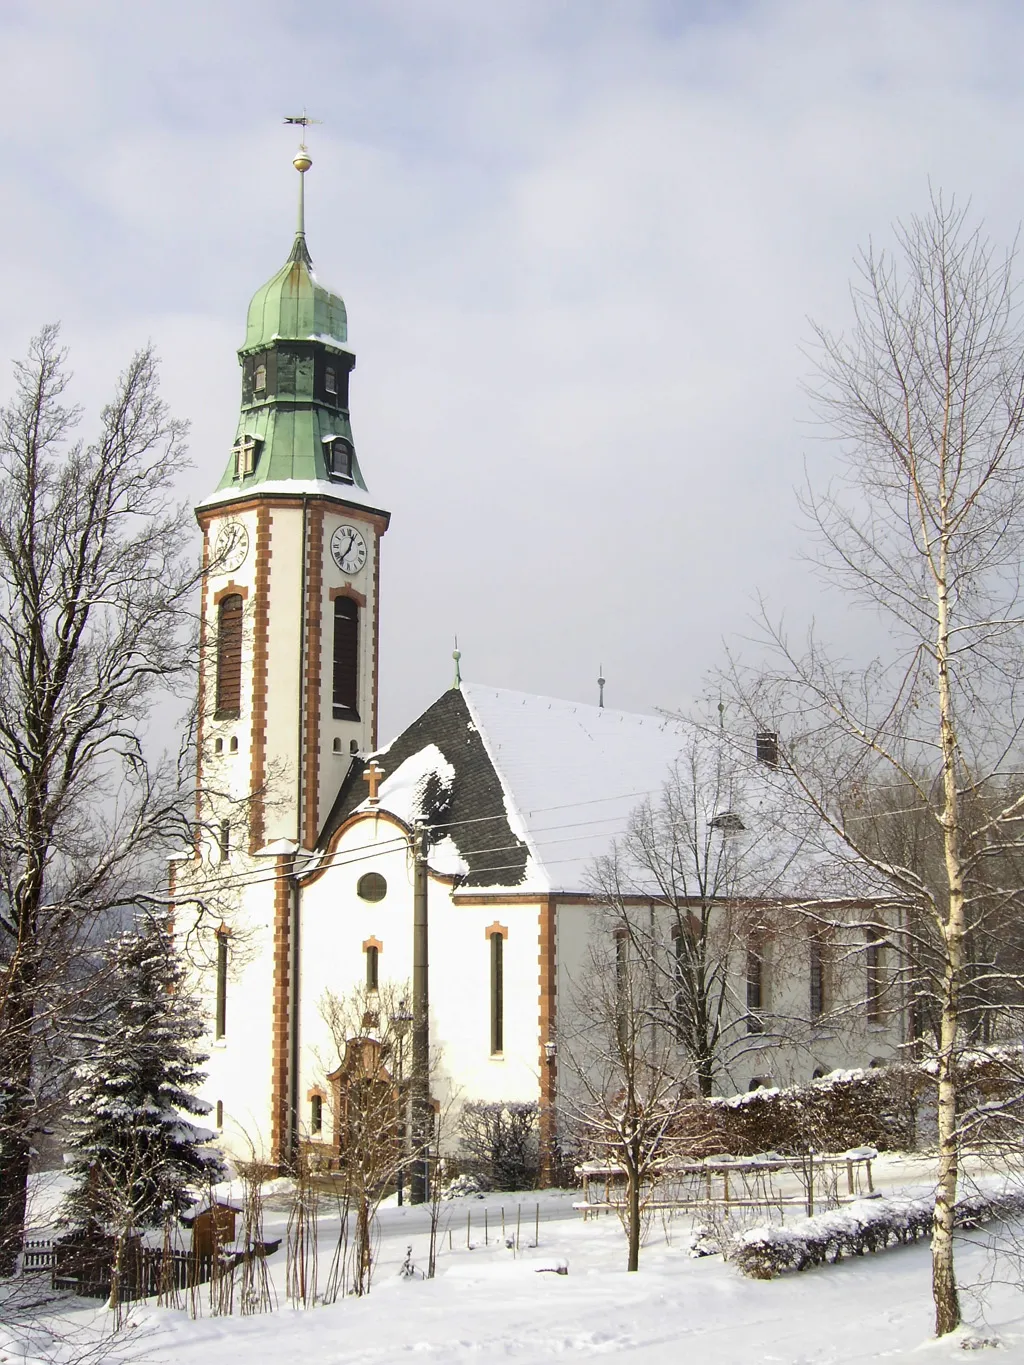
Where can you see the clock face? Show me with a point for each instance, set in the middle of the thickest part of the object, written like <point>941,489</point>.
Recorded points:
<point>230,548</point>
<point>348,549</point>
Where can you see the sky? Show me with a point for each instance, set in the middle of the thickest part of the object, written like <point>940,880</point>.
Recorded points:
<point>580,242</point>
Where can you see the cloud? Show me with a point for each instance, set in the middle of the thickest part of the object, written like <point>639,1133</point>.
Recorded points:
<point>578,242</point>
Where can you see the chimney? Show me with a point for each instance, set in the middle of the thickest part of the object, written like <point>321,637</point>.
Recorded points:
<point>768,748</point>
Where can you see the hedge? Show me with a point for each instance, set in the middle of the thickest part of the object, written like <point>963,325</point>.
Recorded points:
<point>868,1225</point>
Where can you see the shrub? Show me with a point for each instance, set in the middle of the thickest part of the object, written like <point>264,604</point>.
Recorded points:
<point>868,1225</point>
<point>876,1108</point>
<point>500,1140</point>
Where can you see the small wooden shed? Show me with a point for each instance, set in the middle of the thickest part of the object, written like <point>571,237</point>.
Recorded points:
<point>212,1224</point>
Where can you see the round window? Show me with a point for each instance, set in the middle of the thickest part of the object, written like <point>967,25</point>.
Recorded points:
<point>371,886</point>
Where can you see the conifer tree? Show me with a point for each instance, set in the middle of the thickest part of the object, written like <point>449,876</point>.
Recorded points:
<point>135,1150</point>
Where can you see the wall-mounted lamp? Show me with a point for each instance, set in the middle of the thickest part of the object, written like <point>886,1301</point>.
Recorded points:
<point>550,1051</point>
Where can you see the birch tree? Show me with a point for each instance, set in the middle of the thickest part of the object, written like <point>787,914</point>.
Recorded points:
<point>922,525</point>
<point>96,577</point>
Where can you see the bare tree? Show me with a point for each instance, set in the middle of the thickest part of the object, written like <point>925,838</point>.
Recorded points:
<point>623,1090</point>
<point>719,874</point>
<point>95,626</point>
<point>369,1104</point>
<point>924,526</point>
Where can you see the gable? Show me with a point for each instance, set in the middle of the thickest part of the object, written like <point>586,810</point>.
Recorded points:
<point>441,773</point>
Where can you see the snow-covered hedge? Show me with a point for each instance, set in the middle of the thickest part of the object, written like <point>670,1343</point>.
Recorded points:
<point>875,1107</point>
<point>868,1225</point>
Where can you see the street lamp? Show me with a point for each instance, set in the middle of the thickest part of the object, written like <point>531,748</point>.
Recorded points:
<point>400,1021</point>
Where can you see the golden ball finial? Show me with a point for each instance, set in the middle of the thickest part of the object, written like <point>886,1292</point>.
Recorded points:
<point>302,161</point>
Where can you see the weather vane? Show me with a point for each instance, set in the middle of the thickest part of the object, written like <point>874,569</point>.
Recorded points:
<point>302,162</point>
<point>303,121</point>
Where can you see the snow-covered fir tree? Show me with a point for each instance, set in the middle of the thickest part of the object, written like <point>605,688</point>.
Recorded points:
<point>135,1150</point>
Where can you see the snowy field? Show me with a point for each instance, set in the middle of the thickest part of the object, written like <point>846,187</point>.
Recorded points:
<point>488,1302</point>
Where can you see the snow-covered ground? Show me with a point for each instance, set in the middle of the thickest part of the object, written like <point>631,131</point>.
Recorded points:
<point>488,1302</point>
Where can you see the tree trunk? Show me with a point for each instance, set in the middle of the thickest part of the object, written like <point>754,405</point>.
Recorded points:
<point>944,1291</point>
<point>16,1116</point>
<point>633,1198</point>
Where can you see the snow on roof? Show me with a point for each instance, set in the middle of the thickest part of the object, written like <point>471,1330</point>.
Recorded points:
<point>525,793</point>
<point>572,774</point>
<point>349,493</point>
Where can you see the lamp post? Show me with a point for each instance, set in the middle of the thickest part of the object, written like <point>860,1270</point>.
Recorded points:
<point>400,1021</point>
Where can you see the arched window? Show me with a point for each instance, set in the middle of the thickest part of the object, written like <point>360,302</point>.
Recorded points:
<point>372,967</point>
<point>817,977</point>
<point>346,658</point>
<point>755,986</point>
<point>497,993</point>
<point>229,656</point>
<point>875,976</point>
<point>316,1114</point>
<point>221,1020</point>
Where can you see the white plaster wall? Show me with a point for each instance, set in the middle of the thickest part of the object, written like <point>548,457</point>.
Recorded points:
<point>284,620</point>
<point>842,1037</point>
<point>238,1072</point>
<point>335,923</point>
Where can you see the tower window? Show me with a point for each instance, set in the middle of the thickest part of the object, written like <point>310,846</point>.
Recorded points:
<point>346,658</point>
<point>338,458</point>
<point>316,1115</point>
<point>259,378</point>
<point>233,745</point>
<point>331,379</point>
<point>372,967</point>
<point>229,656</point>
<point>497,993</point>
<point>246,452</point>
<point>219,1121</point>
<point>218,746</point>
<point>220,1025</point>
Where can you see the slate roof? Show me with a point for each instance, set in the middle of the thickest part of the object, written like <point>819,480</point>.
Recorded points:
<point>493,853</point>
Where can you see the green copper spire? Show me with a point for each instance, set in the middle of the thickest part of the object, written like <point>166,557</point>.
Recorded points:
<point>296,361</point>
<point>292,305</point>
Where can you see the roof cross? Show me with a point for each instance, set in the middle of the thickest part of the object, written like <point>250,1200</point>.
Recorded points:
<point>373,776</point>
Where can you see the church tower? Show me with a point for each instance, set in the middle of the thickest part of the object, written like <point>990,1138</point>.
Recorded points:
<point>291,541</point>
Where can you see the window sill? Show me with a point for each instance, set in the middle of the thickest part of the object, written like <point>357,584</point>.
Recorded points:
<point>497,1056</point>
<point>218,1042</point>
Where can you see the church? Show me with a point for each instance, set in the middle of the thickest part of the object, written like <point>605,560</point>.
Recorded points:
<point>460,854</point>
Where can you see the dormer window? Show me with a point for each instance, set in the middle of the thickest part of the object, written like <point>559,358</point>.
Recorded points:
<point>259,378</point>
<point>247,453</point>
<point>338,458</point>
<point>331,379</point>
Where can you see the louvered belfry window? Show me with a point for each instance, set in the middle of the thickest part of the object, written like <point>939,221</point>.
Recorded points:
<point>229,655</point>
<point>346,658</point>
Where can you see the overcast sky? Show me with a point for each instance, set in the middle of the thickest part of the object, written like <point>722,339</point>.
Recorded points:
<point>579,241</point>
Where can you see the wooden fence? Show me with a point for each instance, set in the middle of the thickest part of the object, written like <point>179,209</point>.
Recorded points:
<point>147,1270</point>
